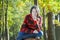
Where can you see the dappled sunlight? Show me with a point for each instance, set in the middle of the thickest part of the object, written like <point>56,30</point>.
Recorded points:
<point>13,12</point>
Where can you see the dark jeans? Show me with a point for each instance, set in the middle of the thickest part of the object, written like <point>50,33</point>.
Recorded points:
<point>22,35</point>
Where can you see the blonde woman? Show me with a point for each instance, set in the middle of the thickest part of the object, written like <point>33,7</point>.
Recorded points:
<point>32,25</point>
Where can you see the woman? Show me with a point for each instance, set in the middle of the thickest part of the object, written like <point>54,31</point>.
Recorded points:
<point>32,25</point>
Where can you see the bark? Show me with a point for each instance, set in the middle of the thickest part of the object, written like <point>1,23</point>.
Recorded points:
<point>35,2</point>
<point>51,27</point>
<point>6,23</point>
<point>44,24</point>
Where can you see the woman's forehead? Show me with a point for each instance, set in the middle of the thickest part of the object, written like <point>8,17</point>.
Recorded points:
<point>34,9</point>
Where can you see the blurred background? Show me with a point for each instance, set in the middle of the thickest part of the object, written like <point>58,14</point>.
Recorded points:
<point>13,12</point>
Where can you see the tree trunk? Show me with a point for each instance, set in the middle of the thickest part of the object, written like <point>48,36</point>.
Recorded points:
<point>6,23</point>
<point>59,16</point>
<point>35,2</point>
<point>44,23</point>
<point>0,27</point>
<point>51,28</point>
<point>2,20</point>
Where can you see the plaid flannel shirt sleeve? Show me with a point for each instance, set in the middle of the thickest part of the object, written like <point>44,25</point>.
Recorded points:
<point>31,23</point>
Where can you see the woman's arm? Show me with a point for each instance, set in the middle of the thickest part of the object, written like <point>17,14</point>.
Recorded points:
<point>40,22</point>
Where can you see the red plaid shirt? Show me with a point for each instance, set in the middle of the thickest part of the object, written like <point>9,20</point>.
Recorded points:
<point>29,25</point>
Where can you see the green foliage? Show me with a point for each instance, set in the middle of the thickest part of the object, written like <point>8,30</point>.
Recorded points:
<point>17,10</point>
<point>50,5</point>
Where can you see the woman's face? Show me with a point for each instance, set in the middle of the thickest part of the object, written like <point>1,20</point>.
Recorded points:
<point>34,12</point>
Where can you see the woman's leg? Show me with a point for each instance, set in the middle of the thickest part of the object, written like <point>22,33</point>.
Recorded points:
<point>30,36</point>
<point>40,34</point>
<point>20,36</point>
<point>27,35</point>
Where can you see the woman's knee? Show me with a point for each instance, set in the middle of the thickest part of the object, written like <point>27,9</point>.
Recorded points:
<point>19,37</point>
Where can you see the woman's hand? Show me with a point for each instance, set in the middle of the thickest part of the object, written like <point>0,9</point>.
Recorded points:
<point>38,20</point>
<point>35,31</point>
